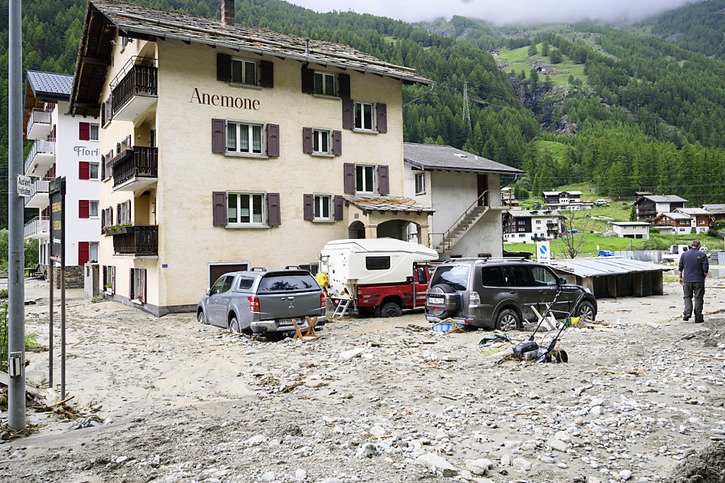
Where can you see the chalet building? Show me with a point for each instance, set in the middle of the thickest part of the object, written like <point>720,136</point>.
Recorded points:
<point>227,147</point>
<point>673,223</point>
<point>465,190</point>
<point>631,229</point>
<point>649,206</point>
<point>565,200</point>
<point>63,145</point>
<point>716,212</point>
<point>508,198</point>
<point>523,226</point>
<point>700,219</point>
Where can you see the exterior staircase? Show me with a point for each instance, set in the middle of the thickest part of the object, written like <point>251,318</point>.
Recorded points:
<point>461,226</point>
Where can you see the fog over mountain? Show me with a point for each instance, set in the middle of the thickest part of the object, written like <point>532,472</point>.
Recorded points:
<point>503,11</point>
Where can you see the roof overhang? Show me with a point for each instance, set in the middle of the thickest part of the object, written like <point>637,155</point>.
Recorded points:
<point>463,169</point>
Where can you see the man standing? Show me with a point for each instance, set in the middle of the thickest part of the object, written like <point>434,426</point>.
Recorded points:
<point>693,270</point>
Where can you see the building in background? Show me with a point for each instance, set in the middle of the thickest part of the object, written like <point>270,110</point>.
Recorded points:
<point>716,211</point>
<point>565,200</point>
<point>63,145</point>
<point>649,206</point>
<point>522,226</point>
<point>631,229</point>
<point>674,223</point>
<point>700,219</point>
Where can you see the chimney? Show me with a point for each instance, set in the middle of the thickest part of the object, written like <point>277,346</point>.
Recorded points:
<point>228,12</point>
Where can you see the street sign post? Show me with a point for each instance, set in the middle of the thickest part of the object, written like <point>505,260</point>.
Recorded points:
<point>543,252</point>
<point>57,254</point>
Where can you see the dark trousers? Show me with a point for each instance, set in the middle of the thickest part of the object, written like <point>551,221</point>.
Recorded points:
<point>696,290</point>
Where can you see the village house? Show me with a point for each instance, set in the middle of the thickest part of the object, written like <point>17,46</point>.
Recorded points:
<point>716,211</point>
<point>674,223</point>
<point>649,206</point>
<point>565,200</point>
<point>465,190</point>
<point>700,219</point>
<point>630,229</point>
<point>64,146</point>
<point>522,226</point>
<point>229,147</point>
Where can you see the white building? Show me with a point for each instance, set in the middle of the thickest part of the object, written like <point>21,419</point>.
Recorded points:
<point>67,146</point>
<point>631,229</point>
<point>523,226</point>
<point>465,192</point>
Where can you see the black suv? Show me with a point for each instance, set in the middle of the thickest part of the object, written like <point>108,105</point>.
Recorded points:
<point>500,293</point>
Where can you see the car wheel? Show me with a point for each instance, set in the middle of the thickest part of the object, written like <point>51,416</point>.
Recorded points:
<point>390,309</point>
<point>201,317</point>
<point>586,311</point>
<point>445,308</point>
<point>508,319</point>
<point>234,326</point>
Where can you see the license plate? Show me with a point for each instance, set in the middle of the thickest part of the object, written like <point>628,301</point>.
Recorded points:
<point>436,300</point>
<point>285,322</point>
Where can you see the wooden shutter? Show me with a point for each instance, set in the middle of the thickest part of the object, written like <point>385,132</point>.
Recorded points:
<point>83,208</point>
<point>381,110</point>
<point>273,140</point>
<point>84,250</point>
<point>273,212</point>
<point>307,140</point>
<point>338,202</point>
<point>343,86</point>
<point>337,143</point>
<point>218,136</point>
<point>129,218</point>
<point>266,74</point>
<point>219,204</point>
<point>348,114</point>
<point>309,207</point>
<point>84,131</point>
<point>224,67</point>
<point>308,80</point>
<point>383,182</point>
<point>349,178</point>
<point>131,291</point>
<point>113,279</point>
<point>84,170</point>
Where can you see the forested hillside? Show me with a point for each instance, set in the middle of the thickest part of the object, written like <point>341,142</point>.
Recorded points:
<point>640,112</point>
<point>697,27</point>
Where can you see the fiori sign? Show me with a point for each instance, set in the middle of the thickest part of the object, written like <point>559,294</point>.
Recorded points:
<point>82,151</point>
<point>223,101</point>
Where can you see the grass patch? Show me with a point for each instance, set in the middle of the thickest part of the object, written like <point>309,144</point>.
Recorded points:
<point>517,60</point>
<point>555,150</point>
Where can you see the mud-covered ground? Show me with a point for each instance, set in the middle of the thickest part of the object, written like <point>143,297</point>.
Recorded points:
<point>376,400</point>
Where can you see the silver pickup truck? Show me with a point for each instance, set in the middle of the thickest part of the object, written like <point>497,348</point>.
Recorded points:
<point>260,301</point>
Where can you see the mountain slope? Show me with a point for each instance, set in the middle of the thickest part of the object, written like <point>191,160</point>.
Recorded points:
<point>697,27</point>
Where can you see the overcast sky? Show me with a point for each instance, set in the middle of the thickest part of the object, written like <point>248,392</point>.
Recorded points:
<point>501,11</point>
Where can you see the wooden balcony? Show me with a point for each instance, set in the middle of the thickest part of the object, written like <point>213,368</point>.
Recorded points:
<point>139,241</point>
<point>135,168</point>
<point>136,92</point>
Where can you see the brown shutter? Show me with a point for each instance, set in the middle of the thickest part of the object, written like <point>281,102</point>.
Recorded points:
<point>273,140</point>
<point>219,203</point>
<point>308,80</point>
<point>338,202</point>
<point>308,212</point>
<point>349,180</point>
<point>383,182</point>
<point>348,115</point>
<point>266,74</point>
<point>218,136</point>
<point>129,216</point>
<point>337,143</point>
<point>223,67</point>
<point>307,140</point>
<point>382,112</point>
<point>273,212</point>
<point>343,86</point>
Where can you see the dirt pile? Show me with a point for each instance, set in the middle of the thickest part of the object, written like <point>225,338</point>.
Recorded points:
<point>707,466</point>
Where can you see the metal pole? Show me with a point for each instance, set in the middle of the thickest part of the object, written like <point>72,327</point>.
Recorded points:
<point>50,321</point>
<point>62,328</point>
<point>16,255</point>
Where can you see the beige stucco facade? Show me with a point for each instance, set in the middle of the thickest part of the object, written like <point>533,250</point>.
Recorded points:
<point>180,201</point>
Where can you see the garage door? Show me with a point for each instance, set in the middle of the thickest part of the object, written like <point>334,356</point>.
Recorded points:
<point>219,269</point>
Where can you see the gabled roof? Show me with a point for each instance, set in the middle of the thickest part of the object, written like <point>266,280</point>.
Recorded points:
<point>716,209</point>
<point>46,86</point>
<point>675,216</point>
<point>105,18</point>
<point>437,157</point>
<point>557,193</point>
<point>662,199</point>
<point>693,211</point>
<point>387,203</point>
<point>534,213</point>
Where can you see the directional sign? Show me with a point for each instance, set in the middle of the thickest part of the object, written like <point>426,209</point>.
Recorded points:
<point>543,252</point>
<point>25,186</point>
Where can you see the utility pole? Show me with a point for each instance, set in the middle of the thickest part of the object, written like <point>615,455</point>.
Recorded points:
<point>16,255</point>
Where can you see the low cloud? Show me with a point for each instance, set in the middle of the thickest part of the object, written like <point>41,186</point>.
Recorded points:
<point>503,12</point>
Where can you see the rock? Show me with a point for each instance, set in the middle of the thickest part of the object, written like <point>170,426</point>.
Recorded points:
<point>268,476</point>
<point>558,445</point>
<point>300,475</point>
<point>378,431</point>
<point>368,450</point>
<point>624,475</point>
<point>505,460</point>
<point>596,411</point>
<point>437,463</point>
<point>121,459</point>
<point>480,466</point>
<point>521,463</point>
<point>563,436</point>
<point>256,440</point>
<point>351,354</point>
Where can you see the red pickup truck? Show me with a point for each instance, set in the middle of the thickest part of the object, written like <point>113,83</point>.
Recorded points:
<point>389,299</point>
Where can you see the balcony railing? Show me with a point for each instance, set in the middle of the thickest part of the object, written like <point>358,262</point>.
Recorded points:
<point>140,80</point>
<point>44,149</point>
<point>38,194</point>
<point>138,240</point>
<point>38,124</point>
<point>137,163</point>
<point>37,228</point>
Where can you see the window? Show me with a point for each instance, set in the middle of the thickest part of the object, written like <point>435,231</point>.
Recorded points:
<point>364,179</point>
<point>325,84</point>
<point>323,209</point>
<point>94,170</point>
<point>93,133</point>
<point>492,277</point>
<point>291,282</point>
<point>123,213</point>
<point>244,72</point>
<point>244,138</point>
<point>93,252</point>
<point>109,278</point>
<point>377,263</point>
<point>420,184</point>
<point>538,222</point>
<point>245,208</point>
<point>544,276</point>
<point>321,141</point>
<point>93,209</point>
<point>245,283</point>
<point>364,115</point>
<point>455,275</point>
